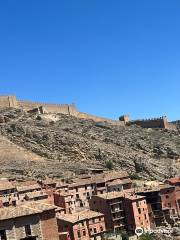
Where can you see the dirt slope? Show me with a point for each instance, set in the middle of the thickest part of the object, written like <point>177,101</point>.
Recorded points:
<point>66,144</point>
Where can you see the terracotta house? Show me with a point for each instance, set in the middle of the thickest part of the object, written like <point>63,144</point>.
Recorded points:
<point>84,225</point>
<point>35,221</point>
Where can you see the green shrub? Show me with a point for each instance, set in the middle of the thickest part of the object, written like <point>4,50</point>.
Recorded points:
<point>109,165</point>
<point>135,176</point>
<point>147,236</point>
<point>124,236</point>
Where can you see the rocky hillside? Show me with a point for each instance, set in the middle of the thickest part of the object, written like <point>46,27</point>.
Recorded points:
<point>60,144</point>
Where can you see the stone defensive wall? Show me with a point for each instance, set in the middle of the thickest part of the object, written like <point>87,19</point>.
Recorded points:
<point>11,101</point>
<point>99,119</point>
<point>161,122</point>
<point>51,108</point>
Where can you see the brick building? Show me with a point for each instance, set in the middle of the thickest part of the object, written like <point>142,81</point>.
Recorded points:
<point>65,200</point>
<point>26,188</point>
<point>136,212</point>
<point>119,185</point>
<point>8,194</point>
<point>162,204</point>
<point>176,182</point>
<point>84,225</point>
<point>35,221</point>
<point>123,212</point>
<point>82,189</point>
<point>7,188</point>
<point>111,204</point>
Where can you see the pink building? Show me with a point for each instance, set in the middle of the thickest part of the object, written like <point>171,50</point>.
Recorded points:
<point>84,225</point>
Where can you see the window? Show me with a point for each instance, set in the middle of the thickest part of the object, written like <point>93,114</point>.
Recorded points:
<point>139,210</point>
<point>79,234</point>
<point>83,224</point>
<point>3,235</point>
<point>95,231</point>
<point>93,220</point>
<point>167,196</point>
<point>90,229</point>
<point>84,233</point>
<point>101,228</point>
<point>173,211</point>
<point>77,196</point>
<point>120,206</point>
<point>27,230</point>
<point>145,216</point>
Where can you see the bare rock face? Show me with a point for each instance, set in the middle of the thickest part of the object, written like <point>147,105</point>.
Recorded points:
<point>66,143</point>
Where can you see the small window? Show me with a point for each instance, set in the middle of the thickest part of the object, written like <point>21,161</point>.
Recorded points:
<point>27,230</point>
<point>101,228</point>
<point>95,231</point>
<point>84,233</point>
<point>3,235</point>
<point>79,234</point>
<point>167,196</point>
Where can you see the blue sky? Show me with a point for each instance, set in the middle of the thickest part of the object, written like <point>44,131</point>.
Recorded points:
<point>108,57</point>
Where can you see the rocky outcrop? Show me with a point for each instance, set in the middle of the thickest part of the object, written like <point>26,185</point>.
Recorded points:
<point>67,144</point>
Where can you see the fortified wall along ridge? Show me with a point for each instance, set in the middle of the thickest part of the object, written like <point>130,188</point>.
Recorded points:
<point>70,109</point>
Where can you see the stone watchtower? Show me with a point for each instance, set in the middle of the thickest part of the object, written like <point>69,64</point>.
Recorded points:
<point>8,101</point>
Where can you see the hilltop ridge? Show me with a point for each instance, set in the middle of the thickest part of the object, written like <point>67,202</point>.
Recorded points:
<point>67,144</point>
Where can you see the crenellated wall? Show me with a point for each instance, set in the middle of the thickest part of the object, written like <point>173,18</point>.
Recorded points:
<point>70,109</point>
<point>161,122</point>
<point>51,108</point>
<point>11,101</point>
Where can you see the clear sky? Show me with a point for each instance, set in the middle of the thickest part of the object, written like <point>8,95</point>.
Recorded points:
<point>109,57</point>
